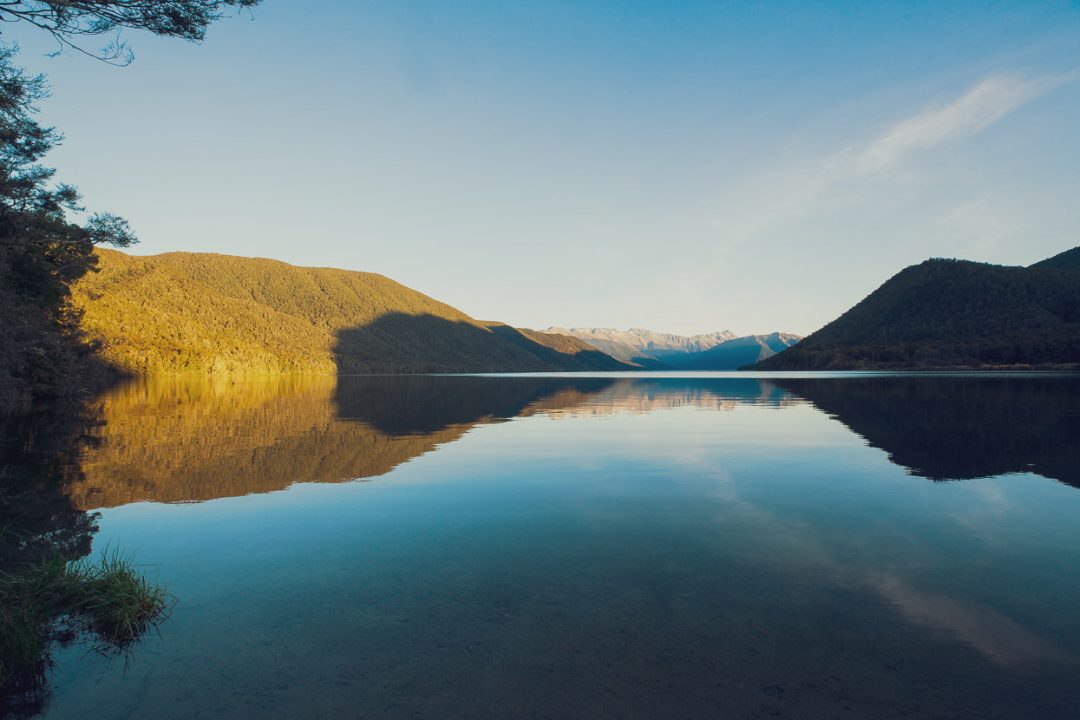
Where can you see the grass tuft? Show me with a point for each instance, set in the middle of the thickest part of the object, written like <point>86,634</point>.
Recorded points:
<point>55,601</point>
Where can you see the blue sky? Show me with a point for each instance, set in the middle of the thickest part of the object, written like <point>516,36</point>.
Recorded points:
<point>685,167</point>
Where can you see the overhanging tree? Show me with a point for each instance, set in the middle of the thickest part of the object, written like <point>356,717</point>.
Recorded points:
<point>42,251</point>
<point>68,21</point>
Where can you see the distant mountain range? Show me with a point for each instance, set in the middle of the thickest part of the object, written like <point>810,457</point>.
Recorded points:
<point>954,314</point>
<point>721,350</point>
<point>200,313</point>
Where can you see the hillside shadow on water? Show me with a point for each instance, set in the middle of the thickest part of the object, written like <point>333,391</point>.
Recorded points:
<point>960,428</point>
<point>403,343</point>
<point>418,404</point>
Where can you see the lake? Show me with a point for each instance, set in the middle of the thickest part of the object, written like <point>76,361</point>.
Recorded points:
<point>624,546</point>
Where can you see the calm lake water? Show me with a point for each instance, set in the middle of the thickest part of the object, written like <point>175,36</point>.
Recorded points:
<point>648,546</point>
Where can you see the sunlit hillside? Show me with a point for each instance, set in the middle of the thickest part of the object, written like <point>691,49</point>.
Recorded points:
<point>204,313</point>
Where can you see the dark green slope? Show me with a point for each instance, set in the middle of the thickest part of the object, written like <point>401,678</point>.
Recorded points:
<point>954,314</point>
<point>1068,260</point>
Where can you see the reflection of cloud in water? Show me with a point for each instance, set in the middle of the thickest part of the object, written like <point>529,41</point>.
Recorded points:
<point>997,637</point>
<point>981,518</point>
<point>994,635</point>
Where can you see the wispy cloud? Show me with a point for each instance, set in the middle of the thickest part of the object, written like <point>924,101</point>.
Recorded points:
<point>967,115</point>
<point>793,192</point>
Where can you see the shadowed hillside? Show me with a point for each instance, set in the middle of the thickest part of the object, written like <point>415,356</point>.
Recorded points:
<point>406,343</point>
<point>943,428</point>
<point>954,313</point>
<point>186,313</point>
<point>43,353</point>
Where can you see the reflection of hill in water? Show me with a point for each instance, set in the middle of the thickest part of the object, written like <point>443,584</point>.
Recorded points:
<point>661,393</point>
<point>171,441</point>
<point>176,441</point>
<point>946,428</point>
<point>415,404</point>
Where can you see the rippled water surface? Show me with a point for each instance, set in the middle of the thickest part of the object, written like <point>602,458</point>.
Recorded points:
<point>616,546</point>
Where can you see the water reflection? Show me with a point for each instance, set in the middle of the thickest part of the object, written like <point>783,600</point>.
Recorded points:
<point>180,442</point>
<point>39,460</point>
<point>999,638</point>
<point>48,601</point>
<point>170,441</point>
<point>959,428</point>
<point>593,546</point>
<point>175,441</point>
<point>417,405</point>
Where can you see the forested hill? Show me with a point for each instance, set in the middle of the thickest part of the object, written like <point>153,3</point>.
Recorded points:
<point>954,314</point>
<point>200,313</point>
<point>1068,260</point>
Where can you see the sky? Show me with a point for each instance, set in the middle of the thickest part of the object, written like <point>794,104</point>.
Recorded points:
<point>684,167</point>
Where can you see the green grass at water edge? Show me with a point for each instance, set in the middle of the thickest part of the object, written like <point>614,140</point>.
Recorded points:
<point>109,602</point>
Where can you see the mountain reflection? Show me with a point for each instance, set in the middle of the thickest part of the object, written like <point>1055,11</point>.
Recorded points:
<point>960,428</point>
<point>173,441</point>
<point>417,404</point>
<point>176,441</point>
<point>420,404</point>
